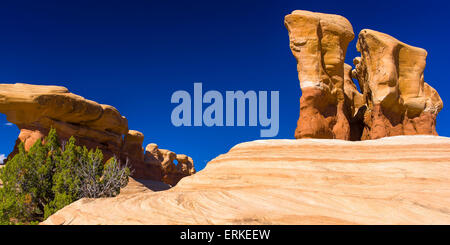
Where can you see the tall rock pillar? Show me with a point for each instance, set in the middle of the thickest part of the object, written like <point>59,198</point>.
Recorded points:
<point>319,43</point>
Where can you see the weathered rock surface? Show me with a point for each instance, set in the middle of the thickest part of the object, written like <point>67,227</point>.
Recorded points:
<point>354,106</point>
<point>171,173</point>
<point>398,100</point>
<point>395,100</point>
<point>394,180</point>
<point>319,43</point>
<point>185,164</point>
<point>36,108</point>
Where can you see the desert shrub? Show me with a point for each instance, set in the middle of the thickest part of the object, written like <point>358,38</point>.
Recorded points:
<point>100,180</point>
<point>50,176</point>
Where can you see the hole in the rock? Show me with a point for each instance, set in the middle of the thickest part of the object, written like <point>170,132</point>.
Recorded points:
<point>355,81</point>
<point>9,133</point>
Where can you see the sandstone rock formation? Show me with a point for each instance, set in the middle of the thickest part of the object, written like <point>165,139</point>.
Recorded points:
<point>354,106</point>
<point>319,43</point>
<point>393,180</point>
<point>171,172</point>
<point>35,109</point>
<point>395,100</point>
<point>398,100</point>
<point>185,164</point>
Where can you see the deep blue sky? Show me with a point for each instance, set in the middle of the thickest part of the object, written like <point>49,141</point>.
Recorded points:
<point>135,54</point>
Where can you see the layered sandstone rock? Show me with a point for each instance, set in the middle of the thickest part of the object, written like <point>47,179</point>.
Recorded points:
<point>185,164</point>
<point>394,180</point>
<point>35,109</point>
<point>398,100</point>
<point>395,100</point>
<point>132,147</point>
<point>319,43</point>
<point>165,160</point>
<point>134,153</point>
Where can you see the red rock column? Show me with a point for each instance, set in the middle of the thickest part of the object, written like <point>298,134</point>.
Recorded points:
<point>398,100</point>
<point>319,43</point>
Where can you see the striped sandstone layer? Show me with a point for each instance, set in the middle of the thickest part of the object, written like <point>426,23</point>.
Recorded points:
<point>395,180</point>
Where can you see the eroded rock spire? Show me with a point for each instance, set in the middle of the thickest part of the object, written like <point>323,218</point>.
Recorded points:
<point>395,100</point>
<point>319,43</point>
<point>398,100</point>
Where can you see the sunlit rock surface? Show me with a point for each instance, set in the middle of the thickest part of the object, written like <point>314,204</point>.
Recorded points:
<point>35,109</point>
<point>394,98</point>
<point>394,180</point>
